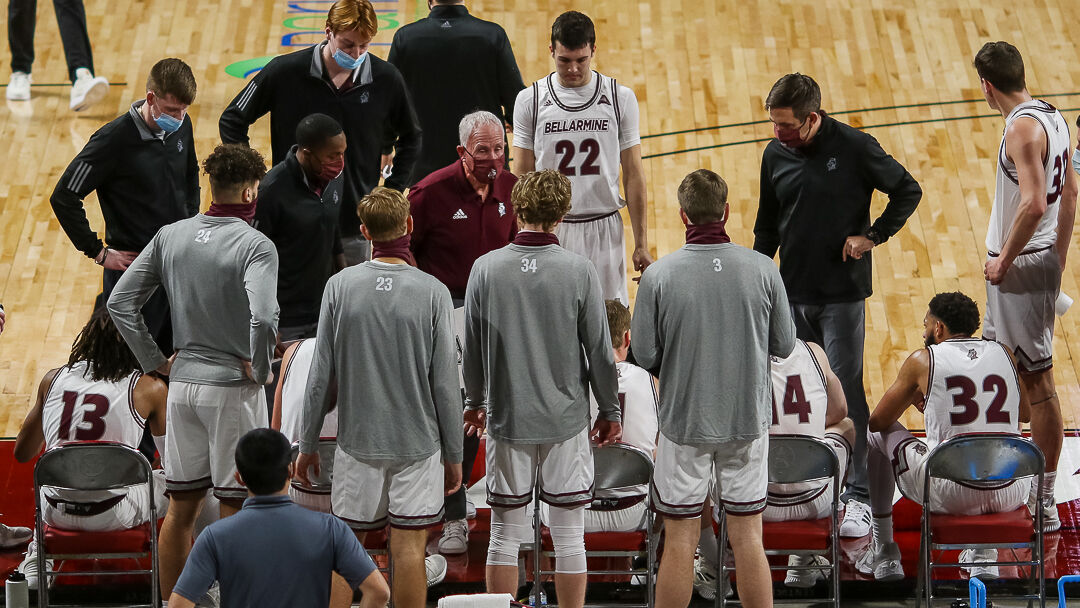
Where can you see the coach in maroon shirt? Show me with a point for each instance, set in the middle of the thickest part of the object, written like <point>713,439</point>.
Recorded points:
<point>463,211</point>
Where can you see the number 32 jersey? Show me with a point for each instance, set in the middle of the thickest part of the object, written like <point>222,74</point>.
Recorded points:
<point>582,132</point>
<point>800,396</point>
<point>973,389</point>
<point>77,408</point>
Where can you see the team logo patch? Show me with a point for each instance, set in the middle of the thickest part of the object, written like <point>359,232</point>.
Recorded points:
<point>179,145</point>
<point>603,100</point>
<point>920,448</point>
<point>336,196</point>
<point>831,165</point>
<point>364,97</point>
<point>971,354</point>
<point>446,25</point>
<point>460,215</point>
<point>502,209</point>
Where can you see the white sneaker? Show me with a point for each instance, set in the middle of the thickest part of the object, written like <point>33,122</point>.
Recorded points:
<point>435,568</point>
<point>857,520</point>
<point>29,568</point>
<point>212,597</point>
<point>13,536</point>
<point>705,581</point>
<point>881,561</point>
<point>1051,519</point>
<point>980,555</point>
<point>18,88</point>
<point>455,537</point>
<point>87,90</point>
<point>470,509</point>
<point>805,578</point>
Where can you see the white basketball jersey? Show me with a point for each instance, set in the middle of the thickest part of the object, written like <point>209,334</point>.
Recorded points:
<point>800,395</point>
<point>294,380</point>
<point>580,138</point>
<point>77,408</point>
<point>640,415</point>
<point>973,389</point>
<point>1007,193</point>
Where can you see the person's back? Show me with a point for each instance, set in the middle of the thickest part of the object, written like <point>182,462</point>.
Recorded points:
<point>453,64</point>
<point>295,369</point>
<point>800,394</point>
<point>79,408</point>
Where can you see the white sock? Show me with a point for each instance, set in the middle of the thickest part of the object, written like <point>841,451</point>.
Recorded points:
<point>1048,484</point>
<point>882,528</point>
<point>707,547</point>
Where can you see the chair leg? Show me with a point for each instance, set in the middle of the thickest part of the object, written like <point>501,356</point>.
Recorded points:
<point>538,549</point>
<point>721,568</point>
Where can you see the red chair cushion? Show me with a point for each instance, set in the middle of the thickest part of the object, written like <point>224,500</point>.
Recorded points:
<point>812,534</point>
<point>136,540</point>
<point>604,541</point>
<point>1009,527</point>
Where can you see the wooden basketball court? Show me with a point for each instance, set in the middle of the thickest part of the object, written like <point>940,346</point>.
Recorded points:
<point>701,70</point>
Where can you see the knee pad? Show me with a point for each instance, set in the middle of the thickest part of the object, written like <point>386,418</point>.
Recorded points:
<point>567,527</point>
<point>509,528</point>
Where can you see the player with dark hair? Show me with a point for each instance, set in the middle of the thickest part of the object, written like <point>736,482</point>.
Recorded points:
<point>1027,241</point>
<point>586,125</point>
<point>100,395</point>
<point>961,385</point>
<point>273,552</point>
<point>220,275</point>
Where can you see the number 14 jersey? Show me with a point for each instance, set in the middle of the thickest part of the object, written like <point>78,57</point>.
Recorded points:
<point>78,408</point>
<point>973,388</point>
<point>800,395</point>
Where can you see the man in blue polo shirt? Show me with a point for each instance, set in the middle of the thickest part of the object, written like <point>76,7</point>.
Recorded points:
<point>273,552</point>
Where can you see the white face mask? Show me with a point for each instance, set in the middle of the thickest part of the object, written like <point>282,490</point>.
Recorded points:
<point>1076,160</point>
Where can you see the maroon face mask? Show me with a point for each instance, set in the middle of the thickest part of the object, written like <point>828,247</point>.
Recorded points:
<point>791,138</point>
<point>486,171</point>
<point>327,173</point>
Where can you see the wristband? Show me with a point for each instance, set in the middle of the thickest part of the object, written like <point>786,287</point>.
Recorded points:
<point>104,254</point>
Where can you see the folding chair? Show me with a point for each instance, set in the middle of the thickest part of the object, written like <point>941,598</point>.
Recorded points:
<point>90,467</point>
<point>796,459</point>
<point>981,458</point>
<point>616,467</point>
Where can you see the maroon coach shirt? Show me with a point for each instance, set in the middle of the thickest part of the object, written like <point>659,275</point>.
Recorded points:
<point>452,226</point>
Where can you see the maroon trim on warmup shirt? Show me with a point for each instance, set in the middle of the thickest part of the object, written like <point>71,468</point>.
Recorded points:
<point>397,248</point>
<point>531,238</point>
<point>712,233</point>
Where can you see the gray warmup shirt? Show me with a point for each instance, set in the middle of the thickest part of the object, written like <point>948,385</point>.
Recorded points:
<point>220,276</point>
<point>536,338</point>
<point>386,338</point>
<point>707,317</point>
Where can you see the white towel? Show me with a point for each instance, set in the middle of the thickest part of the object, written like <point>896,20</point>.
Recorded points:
<point>479,600</point>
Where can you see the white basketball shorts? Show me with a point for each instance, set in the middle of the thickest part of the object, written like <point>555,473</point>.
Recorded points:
<point>737,472</point>
<point>367,494</point>
<point>566,472</point>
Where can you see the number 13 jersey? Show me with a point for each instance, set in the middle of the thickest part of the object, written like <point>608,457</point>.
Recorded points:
<point>78,408</point>
<point>973,388</point>
<point>581,132</point>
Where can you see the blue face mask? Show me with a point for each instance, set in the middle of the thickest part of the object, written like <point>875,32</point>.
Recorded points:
<point>167,123</point>
<point>1076,160</point>
<point>347,62</point>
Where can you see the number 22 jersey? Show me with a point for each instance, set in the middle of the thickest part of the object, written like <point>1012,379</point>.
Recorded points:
<point>78,408</point>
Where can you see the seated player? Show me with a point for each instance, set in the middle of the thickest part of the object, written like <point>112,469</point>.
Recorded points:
<point>961,385</point>
<point>100,395</point>
<point>386,340</point>
<point>624,510</point>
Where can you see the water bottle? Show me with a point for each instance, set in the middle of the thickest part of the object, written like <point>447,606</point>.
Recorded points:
<point>16,593</point>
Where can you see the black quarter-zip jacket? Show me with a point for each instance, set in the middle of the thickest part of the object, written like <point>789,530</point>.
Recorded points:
<point>293,86</point>
<point>813,198</point>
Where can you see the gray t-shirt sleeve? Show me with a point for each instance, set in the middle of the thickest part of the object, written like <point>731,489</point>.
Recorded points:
<point>260,282</point>
<point>134,288</point>
<point>444,379</point>
<point>648,351</point>
<point>596,340</point>
<point>472,364</point>
<point>781,325</point>
<point>317,395</point>
<point>201,569</point>
<point>351,561</point>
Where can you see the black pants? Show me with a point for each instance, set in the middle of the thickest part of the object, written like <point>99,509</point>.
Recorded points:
<point>70,15</point>
<point>454,504</point>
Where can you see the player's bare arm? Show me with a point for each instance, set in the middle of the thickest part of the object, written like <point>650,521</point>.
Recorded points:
<point>634,189</point>
<point>149,397</point>
<point>524,161</point>
<point>31,438</point>
<point>910,383</point>
<point>1066,215</point>
<point>451,477</point>
<point>475,422</point>
<point>1025,145</point>
<point>836,410</point>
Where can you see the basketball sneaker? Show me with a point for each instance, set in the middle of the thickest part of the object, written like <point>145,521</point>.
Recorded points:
<point>857,520</point>
<point>1051,519</point>
<point>87,90</point>
<point>881,561</point>
<point>980,555</point>
<point>435,568</point>
<point>18,88</point>
<point>455,537</point>
<point>705,581</point>
<point>29,567</point>
<point>805,578</point>
<point>13,536</point>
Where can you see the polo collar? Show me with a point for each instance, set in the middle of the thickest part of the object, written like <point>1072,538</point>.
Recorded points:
<point>273,500</point>
<point>360,76</point>
<point>140,123</point>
